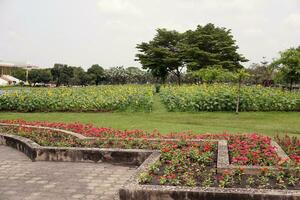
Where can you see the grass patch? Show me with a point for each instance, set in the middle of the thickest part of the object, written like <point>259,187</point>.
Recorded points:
<point>270,123</point>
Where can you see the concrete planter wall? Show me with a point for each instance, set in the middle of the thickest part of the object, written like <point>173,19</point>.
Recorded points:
<point>38,153</point>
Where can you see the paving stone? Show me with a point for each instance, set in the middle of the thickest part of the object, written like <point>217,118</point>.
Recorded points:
<point>22,179</point>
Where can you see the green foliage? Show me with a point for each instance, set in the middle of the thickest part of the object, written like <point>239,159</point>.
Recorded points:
<point>39,76</point>
<point>162,55</point>
<point>62,74</point>
<point>144,178</point>
<point>213,74</point>
<point>19,73</point>
<point>170,51</point>
<point>104,98</point>
<point>289,66</point>
<point>261,72</point>
<point>80,77</point>
<point>219,97</point>
<point>96,73</point>
<point>210,45</point>
<point>241,75</point>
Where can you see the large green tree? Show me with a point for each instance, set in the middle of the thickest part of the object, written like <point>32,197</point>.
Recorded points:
<point>289,66</point>
<point>171,51</point>
<point>210,45</point>
<point>162,55</point>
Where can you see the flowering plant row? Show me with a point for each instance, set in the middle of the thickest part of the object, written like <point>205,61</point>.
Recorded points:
<point>220,97</point>
<point>244,149</point>
<point>291,145</point>
<point>101,98</point>
<point>187,168</point>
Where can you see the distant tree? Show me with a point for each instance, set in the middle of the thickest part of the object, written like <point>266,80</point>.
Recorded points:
<point>289,66</point>
<point>261,73</point>
<point>210,45</point>
<point>136,75</point>
<point>62,74</point>
<point>116,75</point>
<point>162,55</point>
<point>80,77</point>
<point>96,73</point>
<point>33,76</point>
<point>39,76</point>
<point>19,73</point>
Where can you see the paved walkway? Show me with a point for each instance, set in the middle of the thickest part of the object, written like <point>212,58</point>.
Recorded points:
<point>22,179</point>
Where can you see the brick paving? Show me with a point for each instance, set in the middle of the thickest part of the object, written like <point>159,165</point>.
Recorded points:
<point>22,179</point>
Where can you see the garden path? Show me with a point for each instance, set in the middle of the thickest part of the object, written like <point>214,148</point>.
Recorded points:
<point>22,179</point>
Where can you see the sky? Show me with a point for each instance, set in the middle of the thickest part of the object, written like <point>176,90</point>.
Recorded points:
<point>105,32</point>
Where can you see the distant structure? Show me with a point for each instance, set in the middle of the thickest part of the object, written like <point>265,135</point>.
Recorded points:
<point>7,67</point>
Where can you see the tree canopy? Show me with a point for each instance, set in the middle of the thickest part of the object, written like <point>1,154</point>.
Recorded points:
<point>210,45</point>
<point>162,55</point>
<point>96,73</point>
<point>170,51</point>
<point>289,66</point>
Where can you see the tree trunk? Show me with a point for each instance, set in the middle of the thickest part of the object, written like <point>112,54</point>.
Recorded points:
<point>238,98</point>
<point>291,85</point>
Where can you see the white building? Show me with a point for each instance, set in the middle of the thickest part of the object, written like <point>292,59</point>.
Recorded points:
<point>7,67</point>
<point>3,82</point>
<point>10,79</point>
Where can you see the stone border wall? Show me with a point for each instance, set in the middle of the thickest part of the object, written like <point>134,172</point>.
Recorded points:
<point>38,153</point>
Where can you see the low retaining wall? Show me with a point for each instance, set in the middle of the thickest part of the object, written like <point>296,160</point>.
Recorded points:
<point>38,153</point>
<point>186,193</point>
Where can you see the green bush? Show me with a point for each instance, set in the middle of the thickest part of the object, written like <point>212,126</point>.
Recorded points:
<point>102,98</point>
<point>221,97</point>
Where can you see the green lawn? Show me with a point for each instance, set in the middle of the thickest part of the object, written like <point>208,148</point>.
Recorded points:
<point>269,123</point>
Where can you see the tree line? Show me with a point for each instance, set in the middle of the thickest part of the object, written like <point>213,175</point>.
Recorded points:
<point>62,74</point>
<point>209,54</point>
<point>206,54</point>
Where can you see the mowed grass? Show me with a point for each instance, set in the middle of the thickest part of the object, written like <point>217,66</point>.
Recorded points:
<point>270,123</point>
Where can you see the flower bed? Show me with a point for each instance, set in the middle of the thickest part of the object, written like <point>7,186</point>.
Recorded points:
<point>183,162</point>
<point>220,97</point>
<point>190,165</point>
<point>102,98</point>
<point>245,149</point>
<point>291,145</point>
<point>248,149</point>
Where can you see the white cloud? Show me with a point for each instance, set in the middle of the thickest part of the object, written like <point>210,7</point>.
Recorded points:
<point>118,7</point>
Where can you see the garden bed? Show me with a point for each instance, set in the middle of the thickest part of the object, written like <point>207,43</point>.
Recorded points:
<point>248,166</point>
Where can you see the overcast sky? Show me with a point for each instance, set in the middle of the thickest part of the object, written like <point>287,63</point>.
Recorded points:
<point>84,32</point>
